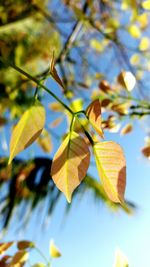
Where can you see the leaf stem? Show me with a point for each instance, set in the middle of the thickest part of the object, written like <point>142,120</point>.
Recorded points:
<point>30,77</point>
<point>42,255</point>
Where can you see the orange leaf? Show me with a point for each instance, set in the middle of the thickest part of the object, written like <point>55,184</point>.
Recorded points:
<point>70,164</point>
<point>126,129</point>
<point>93,113</point>
<point>111,166</point>
<point>25,244</point>
<point>5,246</point>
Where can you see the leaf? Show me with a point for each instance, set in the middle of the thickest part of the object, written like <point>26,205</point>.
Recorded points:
<point>144,44</point>
<point>93,113</point>
<point>54,251</point>
<point>39,265</point>
<point>56,122</point>
<point>126,129</point>
<point>146,151</point>
<point>134,31</point>
<point>20,257</point>
<point>104,86</point>
<point>127,80</point>
<point>21,245</point>
<point>5,246</point>
<point>111,166</point>
<point>77,105</point>
<point>146,5</point>
<point>70,164</point>
<point>27,130</point>
<point>54,73</point>
<point>56,106</point>
<point>120,259</point>
<point>45,142</point>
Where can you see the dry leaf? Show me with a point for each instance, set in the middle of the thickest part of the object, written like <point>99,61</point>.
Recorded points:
<point>70,164</point>
<point>5,246</point>
<point>126,129</point>
<point>146,151</point>
<point>111,166</point>
<point>93,113</point>
<point>19,258</point>
<point>54,73</point>
<point>21,245</point>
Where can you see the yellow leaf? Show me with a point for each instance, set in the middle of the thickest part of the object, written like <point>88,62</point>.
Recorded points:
<point>21,245</point>
<point>77,105</point>
<point>135,59</point>
<point>144,44</point>
<point>70,164</point>
<point>27,130</point>
<point>146,5</point>
<point>19,258</point>
<point>143,20</point>
<point>5,246</point>
<point>126,129</point>
<point>93,113</point>
<point>134,31</point>
<point>54,251</point>
<point>97,45</point>
<point>120,259</point>
<point>39,265</point>
<point>54,73</point>
<point>45,142</point>
<point>127,80</point>
<point>111,166</point>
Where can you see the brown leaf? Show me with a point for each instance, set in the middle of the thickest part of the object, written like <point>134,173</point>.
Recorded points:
<point>54,73</point>
<point>5,246</point>
<point>21,245</point>
<point>126,129</point>
<point>104,86</point>
<point>146,151</point>
<point>93,113</point>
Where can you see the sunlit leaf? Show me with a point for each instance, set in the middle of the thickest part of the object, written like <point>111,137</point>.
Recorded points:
<point>19,258</point>
<point>27,129</point>
<point>135,59</point>
<point>5,246</point>
<point>97,45</point>
<point>111,167</point>
<point>54,73</point>
<point>56,122</point>
<point>121,108</point>
<point>54,251</point>
<point>146,5</point>
<point>146,151</point>
<point>134,31</point>
<point>70,164</point>
<point>120,259</point>
<point>127,80</point>
<point>56,106</point>
<point>126,129</point>
<point>44,141</point>
<point>143,20</point>
<point>93,113</point>
<point>104,86</point>
<point>25,244</point>
<point>39,265</point>
<point>77,105</point>
<point>144,44</point>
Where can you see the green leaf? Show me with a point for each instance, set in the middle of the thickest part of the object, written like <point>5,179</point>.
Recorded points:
<point>27,130</point>
<point>111,167</point>
<point>70,164</point>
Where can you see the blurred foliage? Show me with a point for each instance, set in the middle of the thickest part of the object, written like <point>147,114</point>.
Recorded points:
<point>101,50</point>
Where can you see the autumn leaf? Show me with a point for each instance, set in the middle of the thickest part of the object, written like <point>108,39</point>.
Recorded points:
<point>21,245</point>
<point>70,164</point>
<point>93,113</point>
<point>19,258</point>
<point>120,259</point>
<point>126,129</point>
<point>111,167</point>
<point>146,151</point>
<point>54,73</point>
<point>27,130</point>
<point>44,141</point>
<point>54,251</point>
<point>5,246</point>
